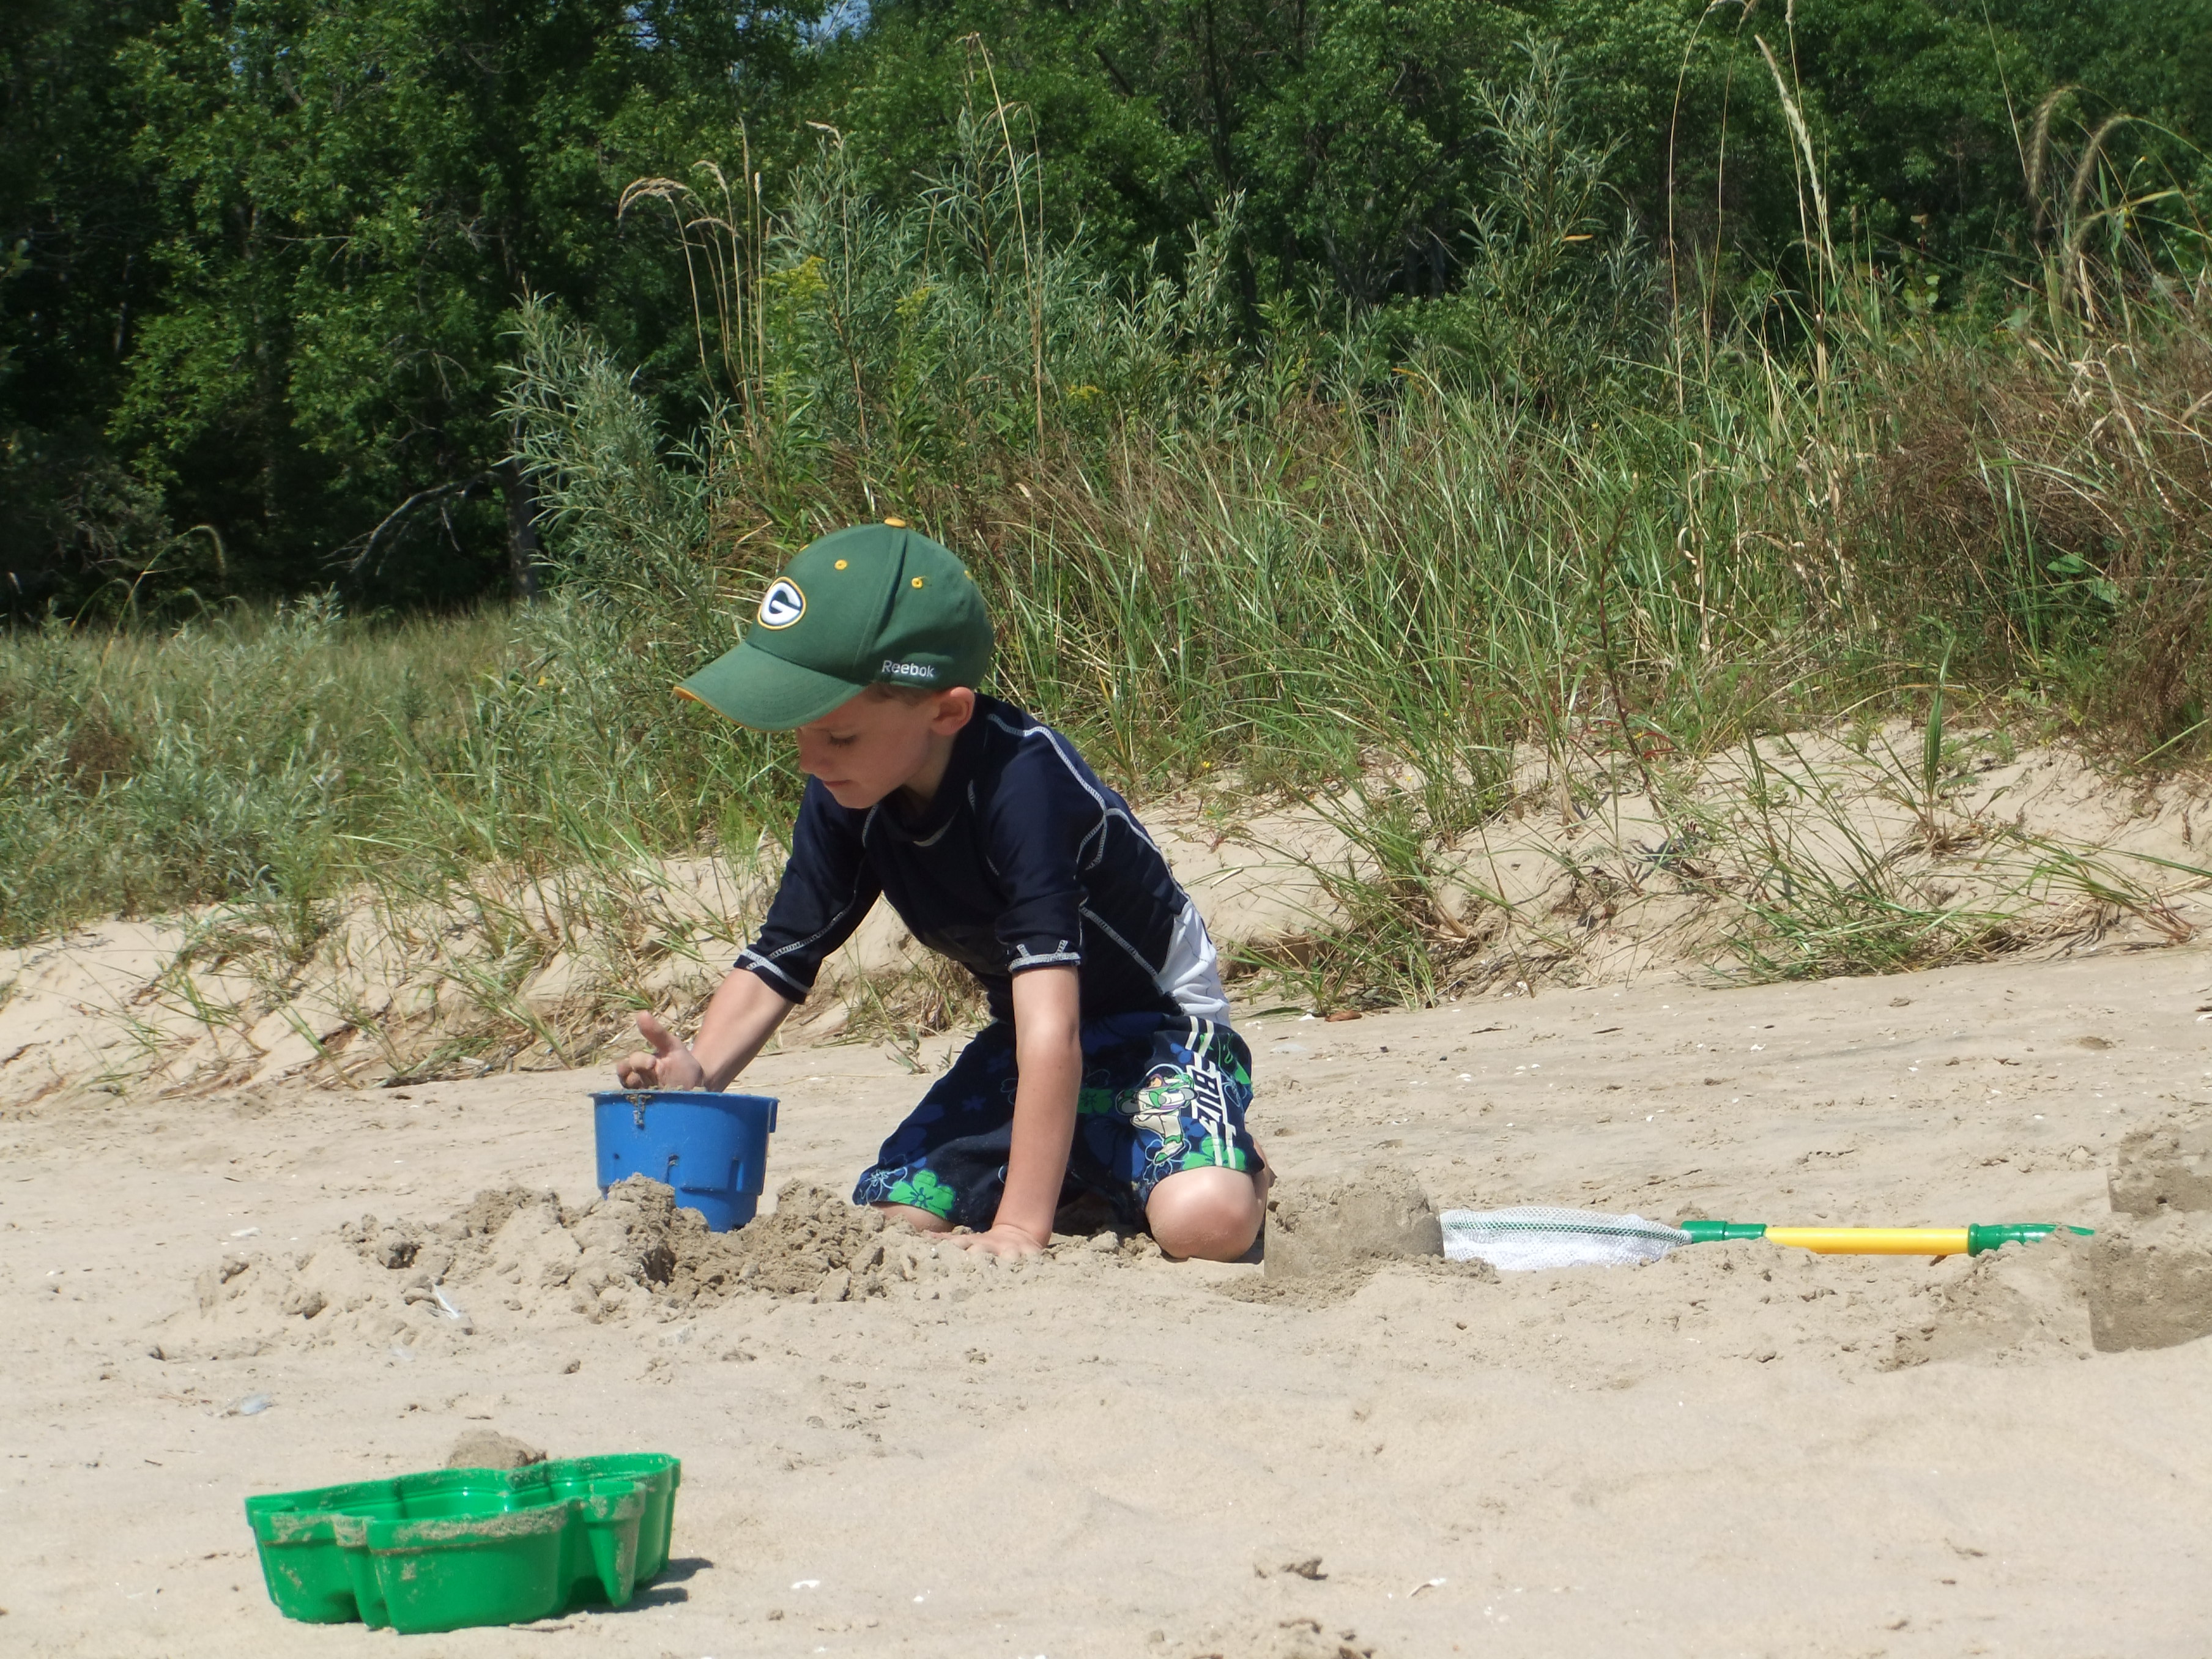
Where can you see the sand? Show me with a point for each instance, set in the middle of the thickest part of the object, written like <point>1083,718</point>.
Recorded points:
<point>488,1448</point>
<point>892,1449</point>
<point>1346,1222</point>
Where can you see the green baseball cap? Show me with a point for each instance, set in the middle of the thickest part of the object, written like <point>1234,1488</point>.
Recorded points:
<point>878,603</point>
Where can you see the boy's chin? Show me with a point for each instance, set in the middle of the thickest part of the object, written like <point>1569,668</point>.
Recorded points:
<point>855,798</point>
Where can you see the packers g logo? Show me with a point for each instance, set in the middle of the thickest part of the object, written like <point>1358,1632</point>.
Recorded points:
<point>782,605</point>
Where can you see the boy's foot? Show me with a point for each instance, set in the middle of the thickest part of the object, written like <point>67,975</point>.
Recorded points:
<point>1008,1244</point>
<point>922,1221</point>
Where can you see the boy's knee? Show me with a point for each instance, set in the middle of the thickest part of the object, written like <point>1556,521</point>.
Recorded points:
<point>1212,1215</point>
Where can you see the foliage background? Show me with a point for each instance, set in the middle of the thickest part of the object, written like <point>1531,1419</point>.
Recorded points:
<point>257,256</point>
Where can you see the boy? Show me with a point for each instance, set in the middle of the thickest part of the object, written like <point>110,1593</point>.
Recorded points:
<point>1108,1065</point>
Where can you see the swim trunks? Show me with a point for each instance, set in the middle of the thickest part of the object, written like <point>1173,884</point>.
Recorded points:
<point>1161,1094</point>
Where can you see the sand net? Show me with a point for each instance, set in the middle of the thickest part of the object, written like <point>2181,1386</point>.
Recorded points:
<point>1536,1236</point>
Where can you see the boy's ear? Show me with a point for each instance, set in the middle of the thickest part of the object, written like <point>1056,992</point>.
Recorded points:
<point>955,708</point>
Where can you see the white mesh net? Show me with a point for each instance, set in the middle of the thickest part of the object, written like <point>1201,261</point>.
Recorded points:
<point>1545,1236</point>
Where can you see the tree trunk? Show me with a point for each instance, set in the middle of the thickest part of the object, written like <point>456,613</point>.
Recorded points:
<point>521,528</point>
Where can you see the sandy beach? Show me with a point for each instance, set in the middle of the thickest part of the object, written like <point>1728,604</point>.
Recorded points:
<point>1740,1449</point>
<point>1628,588</point>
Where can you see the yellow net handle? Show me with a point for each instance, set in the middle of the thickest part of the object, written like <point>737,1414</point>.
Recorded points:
<point>1873,1241</point>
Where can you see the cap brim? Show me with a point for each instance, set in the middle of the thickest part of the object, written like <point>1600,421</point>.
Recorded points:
<point>758,689</point>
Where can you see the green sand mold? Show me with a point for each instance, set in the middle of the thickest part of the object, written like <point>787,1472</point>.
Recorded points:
<point>443,1551</point>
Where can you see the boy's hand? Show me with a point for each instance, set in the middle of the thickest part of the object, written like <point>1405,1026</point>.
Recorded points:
<point>670,1066</point>
<point>1008,1243</point>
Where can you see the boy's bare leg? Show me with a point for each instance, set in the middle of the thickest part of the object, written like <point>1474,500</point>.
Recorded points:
<point>1211,1214</point>
<point>920,1220</point>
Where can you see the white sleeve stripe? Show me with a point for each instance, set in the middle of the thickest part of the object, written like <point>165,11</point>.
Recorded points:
<point>1052,742</point>
<point>1106,814</point>
<point>829,927</point>
<point>1101,834</point>
<point>750,956</point>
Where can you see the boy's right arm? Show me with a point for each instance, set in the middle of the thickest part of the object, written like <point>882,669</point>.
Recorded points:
<point>827,887</point>
<point>743,1016</point>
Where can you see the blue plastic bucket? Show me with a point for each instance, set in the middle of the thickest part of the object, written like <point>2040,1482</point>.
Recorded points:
<point>712,1148</point>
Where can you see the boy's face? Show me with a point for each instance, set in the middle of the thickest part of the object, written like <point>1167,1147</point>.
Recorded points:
<point>869,747</point>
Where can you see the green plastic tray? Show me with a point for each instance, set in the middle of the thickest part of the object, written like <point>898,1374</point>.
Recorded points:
<point>468,1547</point>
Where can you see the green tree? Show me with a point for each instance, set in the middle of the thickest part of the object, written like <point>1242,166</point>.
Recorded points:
<point>256,257</point>
<point>1354,133</point>
<point>1348,128</point>
<point>357,198</point>
<point>77,222</point>
<point>1921,111</point>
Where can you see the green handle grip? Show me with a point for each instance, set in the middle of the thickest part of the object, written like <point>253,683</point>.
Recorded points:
<point>1995,1237</point>
<point>1716,1232</point>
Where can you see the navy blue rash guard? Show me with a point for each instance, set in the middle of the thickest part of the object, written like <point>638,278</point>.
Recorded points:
<point>1023,859</point>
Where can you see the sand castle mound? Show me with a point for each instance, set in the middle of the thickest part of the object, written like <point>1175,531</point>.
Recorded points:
<point>514,1256</point>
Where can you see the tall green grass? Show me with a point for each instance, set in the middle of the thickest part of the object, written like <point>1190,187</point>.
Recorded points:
<point>231,757</point>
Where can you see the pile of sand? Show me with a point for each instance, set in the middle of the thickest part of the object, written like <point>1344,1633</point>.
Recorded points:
<point>515,1255</point>
<point>1327,1236</point>
<point>2143,1281</point>
<point>2164,1166</point>
<point>1330,1224</point>
<point>2148,1272</point>
<point>488,1448</point>
<point>2017,1305</point>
